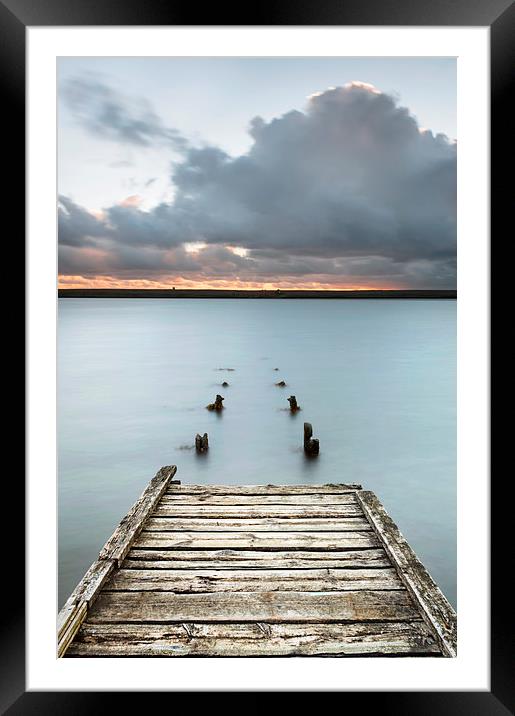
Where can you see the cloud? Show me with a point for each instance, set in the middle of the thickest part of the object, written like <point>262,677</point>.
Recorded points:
<point>349,191</point>
<point>77,226</point>
<point>132,200</point>
<point>109,114</point>
<point>121,164</point>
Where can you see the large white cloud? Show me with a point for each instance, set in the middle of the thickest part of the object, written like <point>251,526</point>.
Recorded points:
<point>351,187</point>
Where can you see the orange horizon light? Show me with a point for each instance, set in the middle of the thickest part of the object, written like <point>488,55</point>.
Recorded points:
<point>214,284</point>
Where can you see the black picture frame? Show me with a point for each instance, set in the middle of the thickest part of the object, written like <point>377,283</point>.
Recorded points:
<point>499,15</point>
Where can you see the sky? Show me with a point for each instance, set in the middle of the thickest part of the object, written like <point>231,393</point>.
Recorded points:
<point>257,172</point>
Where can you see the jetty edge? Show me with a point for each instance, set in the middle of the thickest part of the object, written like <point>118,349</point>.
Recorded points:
<point>256,570</point>
<point>111,556</point>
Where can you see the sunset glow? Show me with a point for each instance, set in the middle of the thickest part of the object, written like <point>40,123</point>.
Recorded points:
<point>353,189</point>
<point>232,285</point>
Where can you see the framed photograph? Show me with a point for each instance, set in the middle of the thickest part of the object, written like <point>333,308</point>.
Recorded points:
<point>258,256</point>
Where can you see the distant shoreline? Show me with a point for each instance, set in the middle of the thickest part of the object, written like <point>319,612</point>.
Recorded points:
<point>252,293</point>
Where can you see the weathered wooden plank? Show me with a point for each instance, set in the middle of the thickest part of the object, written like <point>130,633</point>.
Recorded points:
<point>434,607</point>
<point>263,489</point>
<point>92,582</point>
<point>252,580</point>
<point>124,607</point>
<point>75,608</point>
<point>317,524</point>
<point>169,509</point>
<point>258,639</point>
<point>230,559</point>
<point>120,542</point>
<point>256,540</point>
<point>254,571</point>
<point>71,627</point>
<point>66,614</point>
<point>346,498</point>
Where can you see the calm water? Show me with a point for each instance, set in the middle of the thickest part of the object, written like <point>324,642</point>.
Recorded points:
<point>375,378</point>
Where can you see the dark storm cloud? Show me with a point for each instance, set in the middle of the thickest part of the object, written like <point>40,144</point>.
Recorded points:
<point>109,114</point>
<point>350,189</point>
<point>77,227</point>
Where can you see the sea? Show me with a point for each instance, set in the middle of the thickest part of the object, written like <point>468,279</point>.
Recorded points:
<point>375,378</point>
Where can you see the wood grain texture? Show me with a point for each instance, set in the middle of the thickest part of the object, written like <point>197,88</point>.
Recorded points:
<point>252,580</point>
<point>72,626</point>
<point>264,489</point>
<point>126,607</point>
<point>256,570</point>
<point>346,498</point>
<point>93,581</point>
<point>258,639</point>
<point>434,607</point>
<point>236,558</point>
<point>114,551</point>
<point>271,524</point>
<point>75,608</point>
<point>120,541</point>
<point>256,540</point>
<point>245,512</point>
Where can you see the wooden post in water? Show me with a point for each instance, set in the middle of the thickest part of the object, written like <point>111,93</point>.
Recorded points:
<point>217,405</point>
<point>201,442</point>
<point>311,445</point>
<point>292,400</point>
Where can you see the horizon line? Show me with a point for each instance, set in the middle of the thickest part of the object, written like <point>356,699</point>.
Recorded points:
<point>252,293</point>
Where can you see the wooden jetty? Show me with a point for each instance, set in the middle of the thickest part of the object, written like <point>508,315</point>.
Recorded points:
<point>256,570</point>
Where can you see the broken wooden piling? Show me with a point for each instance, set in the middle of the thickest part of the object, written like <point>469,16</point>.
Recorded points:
<point>217,405</point>
<point>292,400</point>
<point>311,445</point>
<point>201,442</point>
